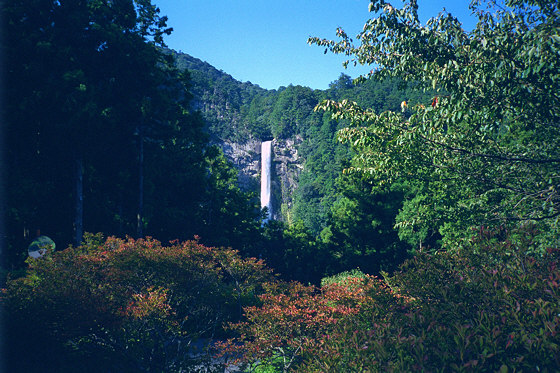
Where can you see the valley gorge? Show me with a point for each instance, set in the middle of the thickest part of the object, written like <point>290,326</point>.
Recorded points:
<point>307,158</point>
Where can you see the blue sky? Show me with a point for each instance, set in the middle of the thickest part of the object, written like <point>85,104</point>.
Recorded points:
<point>265,41</point>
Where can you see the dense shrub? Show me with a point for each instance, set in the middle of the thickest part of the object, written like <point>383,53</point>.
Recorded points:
<point>293,321</point>
<point>491,305</point>
<point>343,278</point>
<point>125,305</point>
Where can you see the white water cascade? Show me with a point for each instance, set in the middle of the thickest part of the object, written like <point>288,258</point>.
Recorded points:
<point>266,166</point>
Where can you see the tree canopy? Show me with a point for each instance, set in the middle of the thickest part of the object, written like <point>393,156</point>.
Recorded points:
<point>100,131</point>
<point>486,149</point>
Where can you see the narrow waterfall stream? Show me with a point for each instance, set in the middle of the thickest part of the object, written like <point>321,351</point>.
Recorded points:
<point>266,166</point>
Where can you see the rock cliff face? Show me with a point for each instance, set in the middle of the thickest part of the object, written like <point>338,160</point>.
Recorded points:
<point>286,167</point>
<point>225,105</point>
<point>246,158</point>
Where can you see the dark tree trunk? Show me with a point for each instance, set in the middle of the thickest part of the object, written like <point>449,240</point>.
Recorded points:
<point>140,215</point>
<point>79,203</point>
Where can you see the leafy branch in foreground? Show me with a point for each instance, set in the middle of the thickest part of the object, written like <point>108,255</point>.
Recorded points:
<point>487,149</point>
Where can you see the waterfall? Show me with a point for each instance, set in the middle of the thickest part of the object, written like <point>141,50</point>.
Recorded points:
<point>266,165</point>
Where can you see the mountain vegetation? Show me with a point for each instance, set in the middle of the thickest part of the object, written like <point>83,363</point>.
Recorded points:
<point>153,156</point>
<point>100,133</point>
<point>422,235</point>
<point>486,151</point>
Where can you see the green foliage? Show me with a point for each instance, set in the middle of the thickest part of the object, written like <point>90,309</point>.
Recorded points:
<point>293,252</point>
<point>491,305</point>
<point>227,216</point>
<point>84,72</point>
<point>343,278</point>
<point>236,111</point>
<point>291,111</point>
<point>485,149</point>
<point>130,305</point>
<point>361,226</point>
<point>487,307</point>
<point>224,101</point>
<point>325,156</point>
<point>94,74</point>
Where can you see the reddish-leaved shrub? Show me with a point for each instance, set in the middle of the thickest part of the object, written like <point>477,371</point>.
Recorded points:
<point>126,305</point>
<point>491,305</point>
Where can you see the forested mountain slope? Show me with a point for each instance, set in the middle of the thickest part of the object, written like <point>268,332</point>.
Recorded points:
<point>116,134</point>
<point>104,132</point>
<point>240,115</point>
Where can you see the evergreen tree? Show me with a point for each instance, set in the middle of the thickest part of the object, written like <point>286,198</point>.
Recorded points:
<point>101,132</point>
